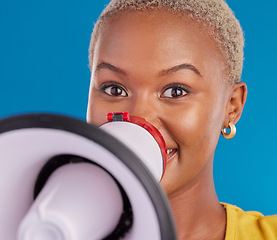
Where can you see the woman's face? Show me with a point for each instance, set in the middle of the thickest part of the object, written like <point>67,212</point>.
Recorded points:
<point>168,70</point>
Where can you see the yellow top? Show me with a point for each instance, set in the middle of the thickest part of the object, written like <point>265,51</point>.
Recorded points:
<point>243,225</point>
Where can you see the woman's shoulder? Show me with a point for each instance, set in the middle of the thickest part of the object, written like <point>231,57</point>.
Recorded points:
<point>249,225</point>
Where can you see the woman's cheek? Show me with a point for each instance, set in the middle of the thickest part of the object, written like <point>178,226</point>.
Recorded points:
<point>186,121</point>
<point>97,113</point>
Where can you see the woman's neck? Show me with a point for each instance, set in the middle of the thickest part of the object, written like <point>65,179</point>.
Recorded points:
<point>197,211</point>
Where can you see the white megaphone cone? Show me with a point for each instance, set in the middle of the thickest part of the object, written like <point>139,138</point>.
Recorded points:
<point>87,184</point>
<point>141,137</point>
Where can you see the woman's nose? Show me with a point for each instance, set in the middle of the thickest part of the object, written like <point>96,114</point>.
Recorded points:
<point>146,109</point>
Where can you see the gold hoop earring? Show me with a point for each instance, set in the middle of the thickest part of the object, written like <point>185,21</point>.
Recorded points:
<point>232,131</point>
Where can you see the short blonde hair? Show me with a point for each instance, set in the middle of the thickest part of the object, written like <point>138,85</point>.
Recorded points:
<point>226,29</point>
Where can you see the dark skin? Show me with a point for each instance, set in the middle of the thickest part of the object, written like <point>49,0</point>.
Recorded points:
<point>170,71</point>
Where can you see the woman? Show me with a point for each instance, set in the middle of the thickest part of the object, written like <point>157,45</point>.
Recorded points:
<point>178,65</point>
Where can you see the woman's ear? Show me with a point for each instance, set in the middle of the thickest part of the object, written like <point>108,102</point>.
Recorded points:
<point>236,103</point>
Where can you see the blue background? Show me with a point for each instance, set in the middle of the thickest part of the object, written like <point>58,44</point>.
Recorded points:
<point>44,68</point>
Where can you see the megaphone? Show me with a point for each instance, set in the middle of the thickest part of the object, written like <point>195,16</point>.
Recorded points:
<point>64,179</point>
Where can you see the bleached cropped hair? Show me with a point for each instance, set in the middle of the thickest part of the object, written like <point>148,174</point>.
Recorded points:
<point>224,27</point>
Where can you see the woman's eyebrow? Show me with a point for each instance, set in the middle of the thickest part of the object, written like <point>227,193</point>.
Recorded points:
<point>180,67</point>
<point>105,65</point>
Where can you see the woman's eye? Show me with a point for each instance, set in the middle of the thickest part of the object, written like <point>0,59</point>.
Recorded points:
<point>174,92</point>
<point>114,90</point>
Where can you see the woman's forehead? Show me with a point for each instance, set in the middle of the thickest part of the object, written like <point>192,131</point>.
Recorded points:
<point>156,37</point>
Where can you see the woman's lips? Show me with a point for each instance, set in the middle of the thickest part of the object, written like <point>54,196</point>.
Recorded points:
<point>171,153</point>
